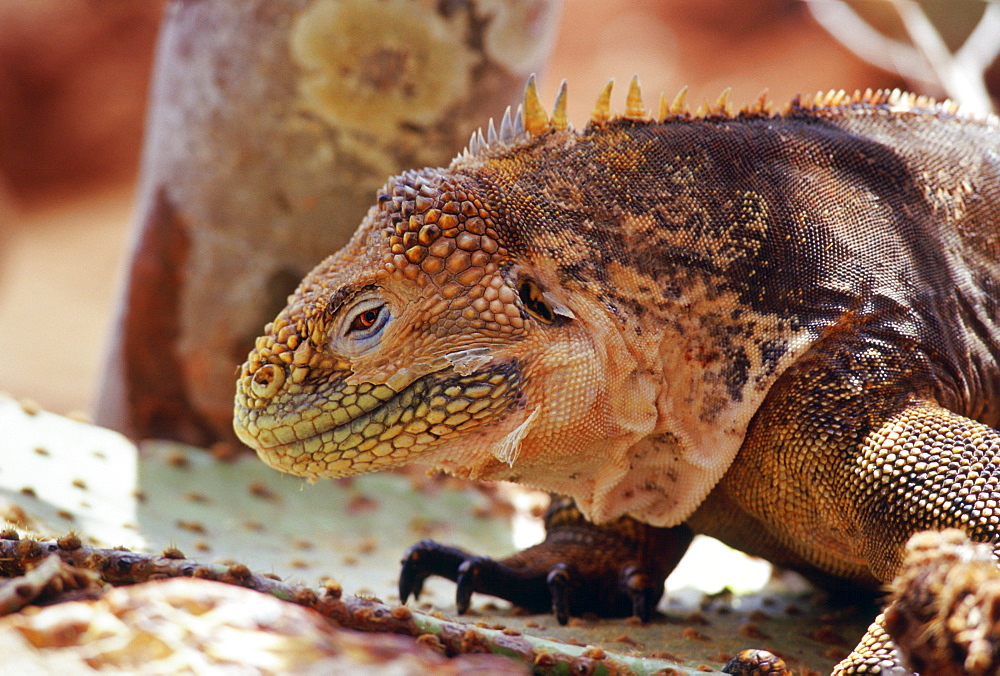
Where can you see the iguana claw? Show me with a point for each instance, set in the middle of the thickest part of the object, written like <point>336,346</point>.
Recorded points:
<point>523,587</point>
<point>612,571</point>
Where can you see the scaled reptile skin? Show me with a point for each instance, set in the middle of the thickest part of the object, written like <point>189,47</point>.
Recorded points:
<point>781,329</point>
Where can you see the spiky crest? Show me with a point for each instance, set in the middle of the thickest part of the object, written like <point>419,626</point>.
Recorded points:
<point>722,104</point>
<point>602,109</point>
<point>634,107</point>
<point>536,121</point>
<point>559,122</point>
<point>678,106</point>
<point>894,100</point>
<point>759,108</point>
<point>663,109</point>
<point>531,118</point>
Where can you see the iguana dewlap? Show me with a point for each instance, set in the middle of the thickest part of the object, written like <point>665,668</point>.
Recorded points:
<point>783,329</point>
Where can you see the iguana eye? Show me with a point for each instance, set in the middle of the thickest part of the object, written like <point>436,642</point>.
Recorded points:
<point>360,323</point>
<point>534,302</point>
<point>368,320</point>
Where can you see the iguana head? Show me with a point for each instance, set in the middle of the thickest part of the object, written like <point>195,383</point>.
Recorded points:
<point>489,320</point>
<point>430,337</point>
<point>414,336</point>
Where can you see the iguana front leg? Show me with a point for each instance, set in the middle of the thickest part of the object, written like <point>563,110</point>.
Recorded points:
<point>851,455</point>
<point>945,605</point>
<point>925,468</point>
<point>943,612</point>
<point>613,571</point>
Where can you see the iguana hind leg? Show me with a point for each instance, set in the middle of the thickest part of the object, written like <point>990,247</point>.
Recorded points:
<point>614,570</point>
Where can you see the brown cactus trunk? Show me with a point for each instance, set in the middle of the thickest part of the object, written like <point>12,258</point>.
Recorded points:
<point>272,124</point>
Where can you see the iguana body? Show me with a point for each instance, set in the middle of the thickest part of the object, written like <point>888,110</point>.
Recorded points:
<point>782,330</point>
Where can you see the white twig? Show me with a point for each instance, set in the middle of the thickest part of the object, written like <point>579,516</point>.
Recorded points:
<point>843,23</point>
<point>926,63</point>
<point>959,82</point>
<point>982,46</point>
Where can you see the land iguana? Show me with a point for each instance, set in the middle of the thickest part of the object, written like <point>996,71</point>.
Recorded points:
<point>778,329</point>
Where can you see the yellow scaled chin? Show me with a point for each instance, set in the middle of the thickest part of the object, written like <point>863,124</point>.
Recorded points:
<point>353,429</point>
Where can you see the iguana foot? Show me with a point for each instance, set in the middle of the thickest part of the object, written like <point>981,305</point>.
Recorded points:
<point>756,663</point>
<point>944,612</point>
<point>615,570</point>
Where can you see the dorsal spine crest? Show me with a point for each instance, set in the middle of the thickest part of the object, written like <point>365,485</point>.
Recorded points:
<point>531,118</point>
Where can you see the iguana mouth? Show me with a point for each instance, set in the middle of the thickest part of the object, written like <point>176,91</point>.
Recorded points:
<point>339,429</point>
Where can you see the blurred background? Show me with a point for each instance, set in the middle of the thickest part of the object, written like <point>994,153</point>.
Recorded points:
<point>74,80</point>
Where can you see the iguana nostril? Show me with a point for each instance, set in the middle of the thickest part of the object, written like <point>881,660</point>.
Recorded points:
<point>267,381</point>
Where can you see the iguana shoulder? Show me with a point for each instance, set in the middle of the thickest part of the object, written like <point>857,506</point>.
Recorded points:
<point>601,313</point>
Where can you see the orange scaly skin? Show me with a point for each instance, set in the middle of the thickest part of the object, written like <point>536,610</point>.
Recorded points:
<point>780,330</point>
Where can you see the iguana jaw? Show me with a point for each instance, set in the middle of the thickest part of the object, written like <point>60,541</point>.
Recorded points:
<point>331,428</point>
